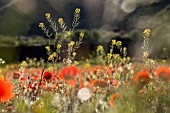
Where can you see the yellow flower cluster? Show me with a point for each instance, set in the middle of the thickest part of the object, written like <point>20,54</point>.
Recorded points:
<point>54,54</point>
<point>76,62</point>
<point>50,68</point>
<point>109,55</point>
<point>47,15</point>
<point>114,42</point>
<point>77,10</point>
<point>41,25</point>
<point>81,34</point>
<point>118,43</point>
<point>147,32</point>
<point>145,54</point>
<point>117,76</point>
<point>60,20</point>
<point>48,48</point>
<point>124,59</point>
<point>69,33</point>
<point>124,48</point>
<point>58,46</point>
<point>100,48</point>
<point>74,53</point>
<point>50,57</point>
<point>24,63</point>
<point>86,65</point>
<point>116,55</point>
<point>71,43</point>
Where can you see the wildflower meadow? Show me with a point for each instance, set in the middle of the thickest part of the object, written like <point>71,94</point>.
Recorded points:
<point>108,82</point>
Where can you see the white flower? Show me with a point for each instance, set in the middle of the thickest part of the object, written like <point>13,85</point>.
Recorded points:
<point>68,61</point>
<point>132,71</point>
<point>152,62</point>
<point>120,69</point>
<point>128,66</point>
<point>84,94</point>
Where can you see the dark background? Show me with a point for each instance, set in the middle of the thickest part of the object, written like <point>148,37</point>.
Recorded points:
<point>101,20</point>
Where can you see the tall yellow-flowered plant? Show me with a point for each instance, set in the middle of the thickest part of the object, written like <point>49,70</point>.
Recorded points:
<point>145,47</point>
<point>53,54</point>
<point>60,28</point>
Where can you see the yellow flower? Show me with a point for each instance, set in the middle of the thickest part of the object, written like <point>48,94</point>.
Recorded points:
<point>60,20</point>
<point>76,62</point>
<point>50,57</point>
<point>145,54</point>
<point>74,53</point>
<point>119,43</point>
<point>58,46</point>
<point>109,55</point>
<point>147,32</point>
<point>47,15</point>
<point>124,59</point>
<point>50,68</point>
<point>77,10</point>
<point>48,48</point>
<point>68,33</point>
<point>116,55</point>
<point>124,48</point>
<point>54,54</point>
<point>71,43</point>
<point>117,76</point>
<point>81,34</point>
<point>41,24</point>
<point>24,63</point>
<point>114,42</point>
<point>86,65</point>
<point>99,48</point>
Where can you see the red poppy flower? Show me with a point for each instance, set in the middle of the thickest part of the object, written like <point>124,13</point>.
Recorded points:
<point>22,79</point>
<point>163,72</point>
<point>100,83</point>
<point>35,77</point>
<point>112,97</point>
<point>142,78</point>
<point>6,89</point>
<point>44,84</point>
<point>69,73</point>
<point>98,70</point>
<point>47,76</point>
<point>96,85</point>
